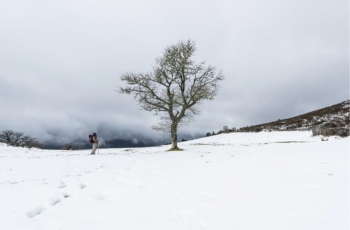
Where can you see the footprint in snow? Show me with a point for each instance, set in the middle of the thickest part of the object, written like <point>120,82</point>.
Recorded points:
<point>82,185</point>
<point>62,185</point>
<point>65,194</point>
<point>36,211</point>
<point>55,200</point>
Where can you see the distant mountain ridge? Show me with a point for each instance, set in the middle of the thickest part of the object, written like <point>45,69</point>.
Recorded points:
<point>112,143</point>
<point>337,114</point>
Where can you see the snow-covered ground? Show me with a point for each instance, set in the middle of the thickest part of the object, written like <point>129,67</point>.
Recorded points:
<point>277,180</point>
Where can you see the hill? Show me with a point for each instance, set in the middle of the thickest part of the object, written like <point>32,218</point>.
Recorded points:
<point>337,114</point>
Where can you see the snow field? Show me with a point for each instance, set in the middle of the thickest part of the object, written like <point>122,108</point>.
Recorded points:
<point>277,180</point>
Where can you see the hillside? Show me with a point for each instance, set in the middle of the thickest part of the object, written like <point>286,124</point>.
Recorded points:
<point>337,114</point>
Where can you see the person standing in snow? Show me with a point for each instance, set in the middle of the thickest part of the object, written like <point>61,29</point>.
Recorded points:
<point>95,143</point>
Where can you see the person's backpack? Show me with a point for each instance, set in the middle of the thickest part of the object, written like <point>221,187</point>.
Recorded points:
<point>91,138</point>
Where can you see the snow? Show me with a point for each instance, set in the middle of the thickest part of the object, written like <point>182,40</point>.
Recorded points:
<point>266,180</point>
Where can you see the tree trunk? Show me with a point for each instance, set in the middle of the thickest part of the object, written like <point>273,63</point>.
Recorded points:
<point>174,138</point>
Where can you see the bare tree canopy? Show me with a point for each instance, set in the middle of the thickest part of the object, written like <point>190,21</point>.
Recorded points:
<point>175,87</point>
<point>18,139</point>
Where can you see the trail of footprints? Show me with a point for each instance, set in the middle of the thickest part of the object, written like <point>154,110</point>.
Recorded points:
<point>59,197</point>
<point>54,199</point>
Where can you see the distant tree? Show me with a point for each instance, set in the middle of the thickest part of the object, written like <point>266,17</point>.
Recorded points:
<point>7,136</point>
<point>18,139</point>
<point>27,141</point>
<point>174,88</point>
<point>258,129</point>
<point>11,138</point>
<point>225,128</point>
<point>208,134</point>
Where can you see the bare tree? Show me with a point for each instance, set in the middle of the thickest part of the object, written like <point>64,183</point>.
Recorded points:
<point>11,138</point>
<point>6,136</point>
<point>18,139</point>
<point>174,88</point>
<point>30,142</point>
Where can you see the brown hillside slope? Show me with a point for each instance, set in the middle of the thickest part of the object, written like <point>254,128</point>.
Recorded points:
<point>337,114</point>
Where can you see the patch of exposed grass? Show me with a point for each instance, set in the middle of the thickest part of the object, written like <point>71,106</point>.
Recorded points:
<point>210,144</point>
<point>287,142</point>
<point>175,149</point>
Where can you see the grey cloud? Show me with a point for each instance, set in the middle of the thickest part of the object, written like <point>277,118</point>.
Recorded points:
<point>60,61</point>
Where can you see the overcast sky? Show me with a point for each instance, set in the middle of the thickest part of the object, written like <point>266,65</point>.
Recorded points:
<point>61,61</point>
